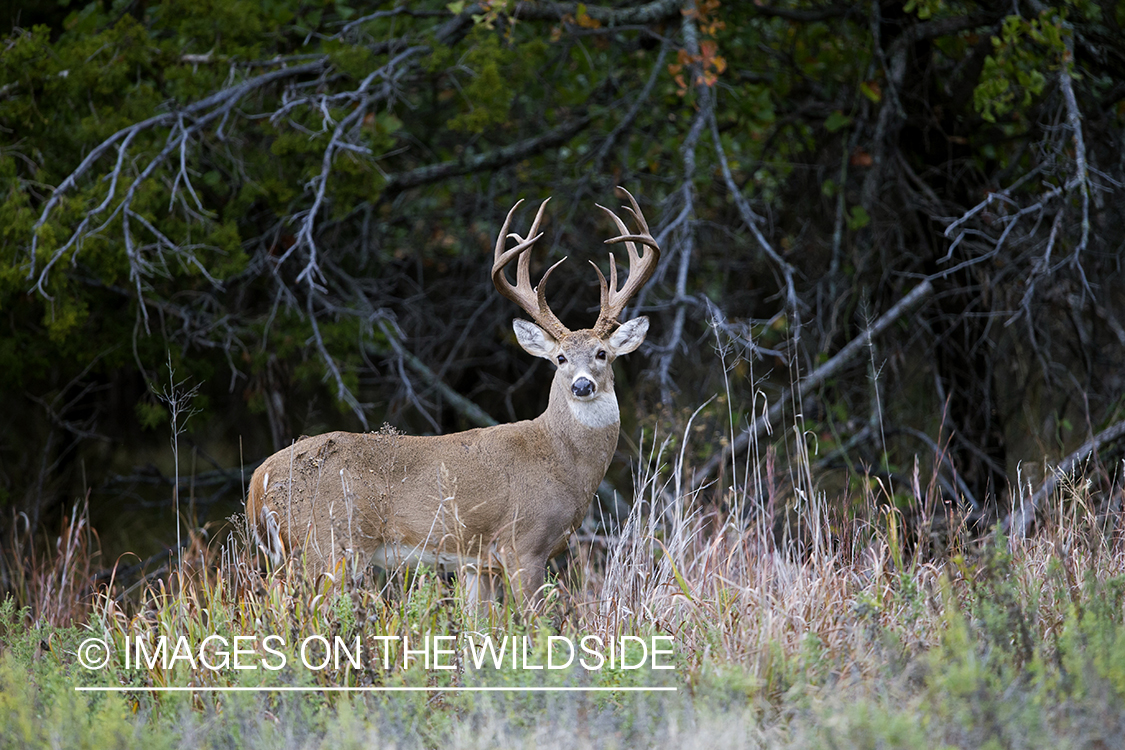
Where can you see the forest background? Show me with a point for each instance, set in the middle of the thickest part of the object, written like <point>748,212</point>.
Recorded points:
<point>234,222</point>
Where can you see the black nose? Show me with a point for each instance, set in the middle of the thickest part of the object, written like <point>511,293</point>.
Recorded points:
<point>582,387</point>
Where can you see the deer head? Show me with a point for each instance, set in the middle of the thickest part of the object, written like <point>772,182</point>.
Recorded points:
<point>584,358</point>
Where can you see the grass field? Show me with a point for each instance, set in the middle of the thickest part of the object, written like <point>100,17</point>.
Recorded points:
<point>820,627</point>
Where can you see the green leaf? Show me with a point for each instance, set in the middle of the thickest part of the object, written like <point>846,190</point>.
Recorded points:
<point>836,121</point>
<point>858,218</point>
<point>150,414</point>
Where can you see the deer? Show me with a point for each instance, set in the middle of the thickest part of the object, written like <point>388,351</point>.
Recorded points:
<point>487,504</point>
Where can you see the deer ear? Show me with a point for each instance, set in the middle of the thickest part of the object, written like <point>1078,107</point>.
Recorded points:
<point>534,339</point>
<point>629,336</point>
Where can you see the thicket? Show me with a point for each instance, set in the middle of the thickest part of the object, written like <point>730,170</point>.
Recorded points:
<point>900,221</point>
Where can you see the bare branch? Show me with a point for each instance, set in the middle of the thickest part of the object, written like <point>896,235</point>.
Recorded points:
<point>1019,521</point>
<point>814,379</point>
<point>1081,173</point>
<point>389,73</point>
<point>809,15</point>
<point>659,10</point>
<point>463,406</point>
<point>490,160</point>
<point>399,11</point>
<point>223,100</point>
<point>687,196</point>
<point>342,391</point>
<point>610,142</point>
<point>751,220</point>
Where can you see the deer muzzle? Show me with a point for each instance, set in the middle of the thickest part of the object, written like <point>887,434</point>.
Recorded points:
<point>583,387</point>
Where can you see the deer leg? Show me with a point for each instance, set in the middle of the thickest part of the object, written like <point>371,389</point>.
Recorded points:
<point>470,585</point>
<point>525,576</point>
<point>479,586</point>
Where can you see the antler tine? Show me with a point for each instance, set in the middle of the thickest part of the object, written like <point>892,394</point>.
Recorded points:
<point>636,211</point>
<point>504,231</point>
<point>641,266</point>
<point>533,301</point>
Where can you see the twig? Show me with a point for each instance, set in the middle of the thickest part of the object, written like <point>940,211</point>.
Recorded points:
<point>460,404</point>
<point>1082,175</point>
<point>630,116</point>
<point>814,379</point>
<point>659,10</point>
<point>687,193</point>
<point>402,10</point>
<point>342,391</point>
<point>363,98</point>
<point>752,220</point>
<point>124,136</point>
<point>1019,521</point>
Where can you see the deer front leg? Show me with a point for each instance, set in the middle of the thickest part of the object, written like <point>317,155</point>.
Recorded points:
<point>480,586</point>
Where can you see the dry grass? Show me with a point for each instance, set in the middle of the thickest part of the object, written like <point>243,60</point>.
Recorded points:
<point>794,624</point>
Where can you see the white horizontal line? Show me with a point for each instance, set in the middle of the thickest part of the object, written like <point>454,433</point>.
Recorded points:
<point>339,689</point>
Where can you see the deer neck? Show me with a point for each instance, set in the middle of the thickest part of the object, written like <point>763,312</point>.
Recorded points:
<point>583,427</point>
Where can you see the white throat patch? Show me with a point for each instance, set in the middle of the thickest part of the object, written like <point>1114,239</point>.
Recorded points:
<point>598,412</point>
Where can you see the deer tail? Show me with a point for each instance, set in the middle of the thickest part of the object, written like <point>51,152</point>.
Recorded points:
<point>265,528</point>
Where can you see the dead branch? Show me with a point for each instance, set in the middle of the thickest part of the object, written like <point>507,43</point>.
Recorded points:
<point>659,10</point>
<point>686,242</point>
<point>1081,173</point>
<point>463,406</point>
<point>342,391</point>
<point>814,379</point>
<point>489,160</point>
<point>752,220</point>
<point>362,100</point>
<point>610,142</point>
<point>1019,521</point>
<point>203,112</point>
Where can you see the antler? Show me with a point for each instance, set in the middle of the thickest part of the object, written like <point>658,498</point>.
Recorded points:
<point>641,267</point>
<point>533,301</point>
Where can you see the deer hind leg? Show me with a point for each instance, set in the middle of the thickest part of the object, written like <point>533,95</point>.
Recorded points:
<point>336,548</point>
<point>531,580</point>
<point>525,575</point>
<point>520,578</point>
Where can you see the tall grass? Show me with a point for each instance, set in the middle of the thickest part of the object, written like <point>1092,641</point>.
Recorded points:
<point>52,577</point>
<point>797,620</point>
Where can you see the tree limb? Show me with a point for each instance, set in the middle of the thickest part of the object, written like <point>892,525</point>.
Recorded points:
<point>227,97</point>
<point>814,379</point>
<point>659,10</point>
<point>490,160</point>
<point>810,15</point>
<point>1019,521</point>
<point>463,406</point>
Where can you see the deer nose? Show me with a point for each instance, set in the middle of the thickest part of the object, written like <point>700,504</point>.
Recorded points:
<point>583,387</point>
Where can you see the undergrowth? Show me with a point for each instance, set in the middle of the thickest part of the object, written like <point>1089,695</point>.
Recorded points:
<point>821,631</point>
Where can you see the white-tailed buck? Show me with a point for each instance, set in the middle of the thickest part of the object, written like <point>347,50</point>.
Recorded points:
<point>504,497</point>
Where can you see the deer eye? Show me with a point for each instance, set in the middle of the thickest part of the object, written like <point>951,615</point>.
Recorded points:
<point>562,360</point>
<point>600,354</point>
